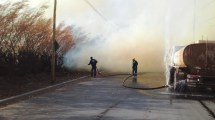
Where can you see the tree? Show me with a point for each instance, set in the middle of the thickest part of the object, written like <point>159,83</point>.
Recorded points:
<point>26,34</point>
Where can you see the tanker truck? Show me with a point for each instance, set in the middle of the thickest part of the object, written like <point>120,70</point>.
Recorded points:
<point>193,66</point>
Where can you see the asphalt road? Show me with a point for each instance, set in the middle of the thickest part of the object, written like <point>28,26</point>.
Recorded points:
<point>106,99</point>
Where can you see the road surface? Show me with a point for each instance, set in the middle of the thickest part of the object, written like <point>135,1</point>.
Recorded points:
<point>106,99</point>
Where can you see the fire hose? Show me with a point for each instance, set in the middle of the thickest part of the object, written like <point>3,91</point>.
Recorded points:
<point>142,88</point>
<point>131,87</point>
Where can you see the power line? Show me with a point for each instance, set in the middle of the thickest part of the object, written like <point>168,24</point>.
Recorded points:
<point>96,10</point>
<point>101,15</point>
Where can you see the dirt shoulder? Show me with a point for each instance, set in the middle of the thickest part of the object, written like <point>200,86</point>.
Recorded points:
<point>15,85</point>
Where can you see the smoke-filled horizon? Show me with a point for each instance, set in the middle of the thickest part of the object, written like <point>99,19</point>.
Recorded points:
<point>116,31</point>
<point>120,37</point>
<point>140,29</point>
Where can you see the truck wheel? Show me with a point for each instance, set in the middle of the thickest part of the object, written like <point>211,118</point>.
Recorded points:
<point>175,78</point>
<point>171,76</point>
<point>181,86</point>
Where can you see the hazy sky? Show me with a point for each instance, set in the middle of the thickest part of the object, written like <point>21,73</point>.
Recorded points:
<point>141,29</point>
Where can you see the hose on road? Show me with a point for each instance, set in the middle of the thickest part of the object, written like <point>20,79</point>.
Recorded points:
<point>141,88</point>
<point>131,87</point>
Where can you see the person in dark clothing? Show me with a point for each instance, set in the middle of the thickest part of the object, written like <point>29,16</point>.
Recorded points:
<point>93,63</point>
<point>134,69</point>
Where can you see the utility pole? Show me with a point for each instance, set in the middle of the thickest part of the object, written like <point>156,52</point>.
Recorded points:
<point>53,44</point>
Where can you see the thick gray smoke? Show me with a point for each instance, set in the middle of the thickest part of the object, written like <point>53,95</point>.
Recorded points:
<point>116,31</point>
<point>127,34</point>
<point>116,51</point>
<point>141,29</point>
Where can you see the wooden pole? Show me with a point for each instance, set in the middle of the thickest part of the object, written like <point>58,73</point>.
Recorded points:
<point>53,43</point>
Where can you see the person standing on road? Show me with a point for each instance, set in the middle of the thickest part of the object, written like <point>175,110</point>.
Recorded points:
<point>93,63</point>
<point>134,69</point>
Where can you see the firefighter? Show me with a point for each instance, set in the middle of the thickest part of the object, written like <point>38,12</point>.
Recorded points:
<point>93,63</point>
<point>134,69</point>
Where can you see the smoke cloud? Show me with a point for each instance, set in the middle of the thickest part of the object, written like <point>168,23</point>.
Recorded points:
<point>116,31</point>
<point>126,35</point>
<point>140,29</point>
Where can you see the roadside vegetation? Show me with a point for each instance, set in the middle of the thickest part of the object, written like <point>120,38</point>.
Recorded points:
<point>25,46</point>
<point>25,39</point>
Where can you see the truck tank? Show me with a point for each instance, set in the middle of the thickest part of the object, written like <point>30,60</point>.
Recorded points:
<point>198,56</point>
<point>193,65</point>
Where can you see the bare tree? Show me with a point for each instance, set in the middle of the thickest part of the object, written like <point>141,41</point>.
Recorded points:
<point>26,34</point>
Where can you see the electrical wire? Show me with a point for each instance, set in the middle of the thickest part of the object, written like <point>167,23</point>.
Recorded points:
<point>96,10</point>
<point>101,15</point>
